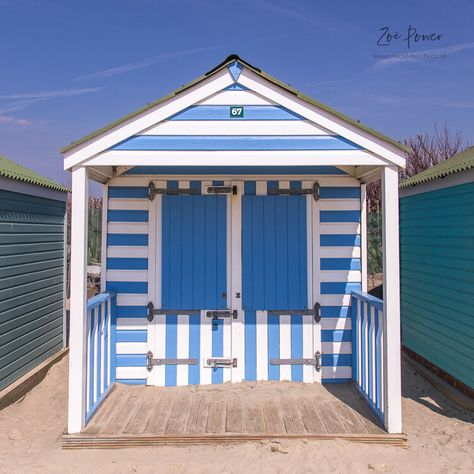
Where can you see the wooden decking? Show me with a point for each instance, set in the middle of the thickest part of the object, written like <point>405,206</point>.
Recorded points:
<point>147,416</point>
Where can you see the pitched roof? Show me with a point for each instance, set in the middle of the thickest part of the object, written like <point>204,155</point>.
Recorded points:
<point>10,169</point>
<point>229,60</point>
<point>461,162</point>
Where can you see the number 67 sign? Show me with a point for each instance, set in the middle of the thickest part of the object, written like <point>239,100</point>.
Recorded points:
<point>236,111</point>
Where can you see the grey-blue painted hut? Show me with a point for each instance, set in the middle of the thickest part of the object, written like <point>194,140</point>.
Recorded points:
<point>32,269</point>
<point>437,260</point>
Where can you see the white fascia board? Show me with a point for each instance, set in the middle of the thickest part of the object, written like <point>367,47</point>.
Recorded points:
<point>390,153</point>
<point>83,152</point>
<point>237,158</point>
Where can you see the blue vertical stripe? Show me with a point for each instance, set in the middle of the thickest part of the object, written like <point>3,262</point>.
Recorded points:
<point>250,188</point>
<point>194,348</point>
<point>355,339</point>
<point>273,346</point>
<point>250,330</point>
<point>297,347</point>
<point>363,342</point>
<point>171,348</point>
<point>217,348</point>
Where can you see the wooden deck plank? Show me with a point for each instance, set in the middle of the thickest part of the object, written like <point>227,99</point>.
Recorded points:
<point>254,422</point>
<point>216,415</point>
<point>291,417</point>
<point>311,420</point>
<point>273,420</point>
<point>161,412</point>
<point>235,420</point>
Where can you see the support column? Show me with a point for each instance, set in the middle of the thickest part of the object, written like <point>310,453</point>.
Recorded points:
<point>77,326</point>
<point>391,285</point>
<point>363,235</point>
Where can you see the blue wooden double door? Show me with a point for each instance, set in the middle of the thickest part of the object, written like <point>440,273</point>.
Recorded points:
<point>233,268</point>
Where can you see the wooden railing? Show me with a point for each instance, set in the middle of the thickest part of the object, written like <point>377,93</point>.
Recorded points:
<point>368,349</point>
<point>100,350</point>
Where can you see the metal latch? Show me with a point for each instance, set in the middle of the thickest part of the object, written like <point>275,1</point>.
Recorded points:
<point>222,190</point>
<point>152,311</point>
<point>314,191</point>
<point>316,361</point>
<point>218,362</point>
<point>150,362</point>
<point>316,312</point>
<point>222,314</point>
<point>153,191</point>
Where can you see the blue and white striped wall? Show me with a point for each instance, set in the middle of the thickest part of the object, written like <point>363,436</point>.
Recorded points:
<point>130,256</point>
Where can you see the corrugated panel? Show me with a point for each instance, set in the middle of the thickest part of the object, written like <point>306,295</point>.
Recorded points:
<point>437,282</point>
<point>13,170</point>
<point>31,282</point>
<point>461,162</point>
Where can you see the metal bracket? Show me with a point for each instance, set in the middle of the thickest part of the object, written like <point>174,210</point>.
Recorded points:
<point>150,362</point>
<point>222,190</point>
<point>218,362</point>
<point>222,314</point>
<point>153,191</point>
<point>152,311</point>
<point>316,361</point>
<point>314,191</point>
<point>300,312</point>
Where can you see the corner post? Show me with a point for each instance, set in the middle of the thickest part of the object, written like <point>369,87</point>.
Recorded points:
<point>391,281</point>
<point>78,308</point>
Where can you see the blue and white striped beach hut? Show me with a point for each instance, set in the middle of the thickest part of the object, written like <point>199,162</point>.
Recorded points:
<point>234,245</point>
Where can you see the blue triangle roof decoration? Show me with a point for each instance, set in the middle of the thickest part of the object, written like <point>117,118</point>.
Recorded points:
<point>236,87</point>
<point>235,69</point>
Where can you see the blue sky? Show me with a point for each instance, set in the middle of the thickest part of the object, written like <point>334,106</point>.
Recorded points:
<point>67,68</point>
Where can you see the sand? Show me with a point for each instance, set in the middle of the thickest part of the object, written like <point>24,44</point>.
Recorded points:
<point>440,437</point>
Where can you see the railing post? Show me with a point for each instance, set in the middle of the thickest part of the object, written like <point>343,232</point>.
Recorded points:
<point>391,326</point>
<point>113,336</point>
<point>77,337</point>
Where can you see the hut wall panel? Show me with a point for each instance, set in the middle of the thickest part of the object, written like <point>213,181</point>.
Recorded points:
<point>437,283</point>
<point>31,282</point>
<point>337,246</point>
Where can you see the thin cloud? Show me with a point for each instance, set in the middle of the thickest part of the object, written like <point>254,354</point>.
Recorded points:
<point>416,56</point>
<point>114,71</point>
<point>7,120</point>
<point>288,12</point>
<point>24,100</point>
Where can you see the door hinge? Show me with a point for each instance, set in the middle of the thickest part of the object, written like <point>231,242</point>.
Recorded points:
<point>153,191</point>
<point>152,311</point>
<point>222,190</point>
<point>315,312</point>
<point>150,362</point>
<point>221,362</point>
<point>316,361</point>
<point>314,191</point>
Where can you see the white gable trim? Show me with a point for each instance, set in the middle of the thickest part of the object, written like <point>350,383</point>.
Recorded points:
<point>149,118</point>
<point>322,118</point>
<point>237,158</point>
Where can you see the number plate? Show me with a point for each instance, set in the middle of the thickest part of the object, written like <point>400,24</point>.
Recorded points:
<point>236,111</point>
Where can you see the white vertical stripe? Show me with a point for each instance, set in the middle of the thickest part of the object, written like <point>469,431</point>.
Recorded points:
<point>102,347</point>
<point>365,349</point>
<point>372,344</point>
<point>95,361</point>
<point>227,348</point>
<point>262,345</point>
<point>182,350</point>
<point>313,234</point>
<point>109,352</point>
<point>308,352</point>
<point>183,184</point>
<point>261,188</point>
<point>284,184</point>
<point>363,235</point>
<point>285,345</point>
<point>206,348</point>
<point>238,341</point>
<point>103,268</point>
<point>157,328</point>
